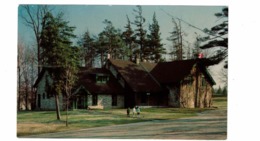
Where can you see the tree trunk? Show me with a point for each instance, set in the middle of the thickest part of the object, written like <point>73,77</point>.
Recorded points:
<point>19,87</point>
<point>67,108</point>
<point>57,106</point>
<point>196,88</point>
<point>102,58</point>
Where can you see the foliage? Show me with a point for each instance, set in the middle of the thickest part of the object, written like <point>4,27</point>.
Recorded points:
<point>217,38</point>
<point>88,51</point>
<point>129,39</point>
<point>140,33</point>
<point>154,45</point>
<point>59,55</point>
<point>177,40</point>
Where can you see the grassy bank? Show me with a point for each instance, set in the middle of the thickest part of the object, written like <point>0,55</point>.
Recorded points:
<point>38,122</point>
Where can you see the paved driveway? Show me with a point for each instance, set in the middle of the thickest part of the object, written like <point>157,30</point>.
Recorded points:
<point>207,125</point>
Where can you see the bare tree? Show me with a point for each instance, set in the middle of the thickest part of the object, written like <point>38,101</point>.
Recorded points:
<point>177,39</point>
<point>19,73</point>
<point>32,16</point>
<point>26,63</point>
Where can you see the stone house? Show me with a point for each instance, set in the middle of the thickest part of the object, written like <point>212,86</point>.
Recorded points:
<point>122,84</point>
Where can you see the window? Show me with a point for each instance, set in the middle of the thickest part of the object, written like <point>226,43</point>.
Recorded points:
<point>114,100</point>
<point>102,79</point>
<point>94,99</point>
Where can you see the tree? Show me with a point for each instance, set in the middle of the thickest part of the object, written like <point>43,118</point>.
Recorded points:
<point>129,39</point>
<point>26,63</point>
<point>154,41</point>
<point>219,91</point>
<point>177,40</point>
<point>59,55</point>
<point>224,91</point>
<point>33,18</point>
<point>110,43</point>
<point>217,38</point>
<point>88,49</point>
<point>140,33</point>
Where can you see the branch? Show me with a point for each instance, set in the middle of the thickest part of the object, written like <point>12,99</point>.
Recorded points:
<point>187,23</point>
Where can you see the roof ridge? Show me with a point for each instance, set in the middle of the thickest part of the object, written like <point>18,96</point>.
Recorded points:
<point>157,82</point>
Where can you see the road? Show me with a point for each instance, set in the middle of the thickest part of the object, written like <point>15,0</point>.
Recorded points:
<point>210,124</point>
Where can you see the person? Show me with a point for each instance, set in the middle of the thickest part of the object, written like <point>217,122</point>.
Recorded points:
<point>138,111</point>
<point>134,111</point>
<point>128,112</point>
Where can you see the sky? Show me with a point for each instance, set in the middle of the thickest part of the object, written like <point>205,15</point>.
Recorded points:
<point>90,18</point>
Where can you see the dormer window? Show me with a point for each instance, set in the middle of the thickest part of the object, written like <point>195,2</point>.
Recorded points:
<point>101,78</point>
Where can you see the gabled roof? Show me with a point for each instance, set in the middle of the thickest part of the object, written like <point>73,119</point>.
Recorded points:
<point>87,79</point>
<point>138,79</point>
<point>172,72</point>
<point>41,74</point>
<point>175,71</point>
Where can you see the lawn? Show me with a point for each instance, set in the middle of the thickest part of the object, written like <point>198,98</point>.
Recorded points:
<point>38,122</point>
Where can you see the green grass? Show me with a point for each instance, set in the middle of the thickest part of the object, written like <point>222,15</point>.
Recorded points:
<point>38,122</point>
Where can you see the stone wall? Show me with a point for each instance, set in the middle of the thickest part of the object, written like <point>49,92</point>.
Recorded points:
<point>173,97</point>
<point>106,101</point>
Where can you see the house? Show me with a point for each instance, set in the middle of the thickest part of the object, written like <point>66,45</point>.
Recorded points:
<point>95,86</point>
<point>122,84</point>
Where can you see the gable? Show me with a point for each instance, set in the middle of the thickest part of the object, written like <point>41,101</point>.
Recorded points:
<point>88,80</point>
<point>137,78</point>
<point>172,72</point>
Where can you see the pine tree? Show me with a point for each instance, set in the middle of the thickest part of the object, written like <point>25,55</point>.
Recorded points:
<point>129,39</point>
<point>177,41</point>
<point>217,38</point>
<point>155,47</point>
<point>88,49</point>
<point>59,55</point>
<point>140,33</point>
<point>219,91</point>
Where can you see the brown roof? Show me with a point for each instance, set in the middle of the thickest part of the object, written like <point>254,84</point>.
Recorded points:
<point>138,79</point>
<point>148,66</point>
<point>87,79</point>
<point>175,71</point>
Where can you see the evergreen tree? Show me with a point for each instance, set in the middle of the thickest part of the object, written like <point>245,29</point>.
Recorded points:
<point>217,38</point>
<point>224,91</point>
<point>88,49</point>
<point>177,41</point>
<point>129,39</point>
<point>59,55</point>
<point>110,43</point>
<point>140,33</point>
<point>154,41</point>
<point>219,91</point>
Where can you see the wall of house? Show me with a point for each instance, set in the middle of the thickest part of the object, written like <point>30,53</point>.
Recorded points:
<point>173,97</point>
<point>196,94</point>
<point>194,91</point>
<point>187,95</point>
<point>46,103</point>
<point>106,101</point>
<point>205,96</point>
